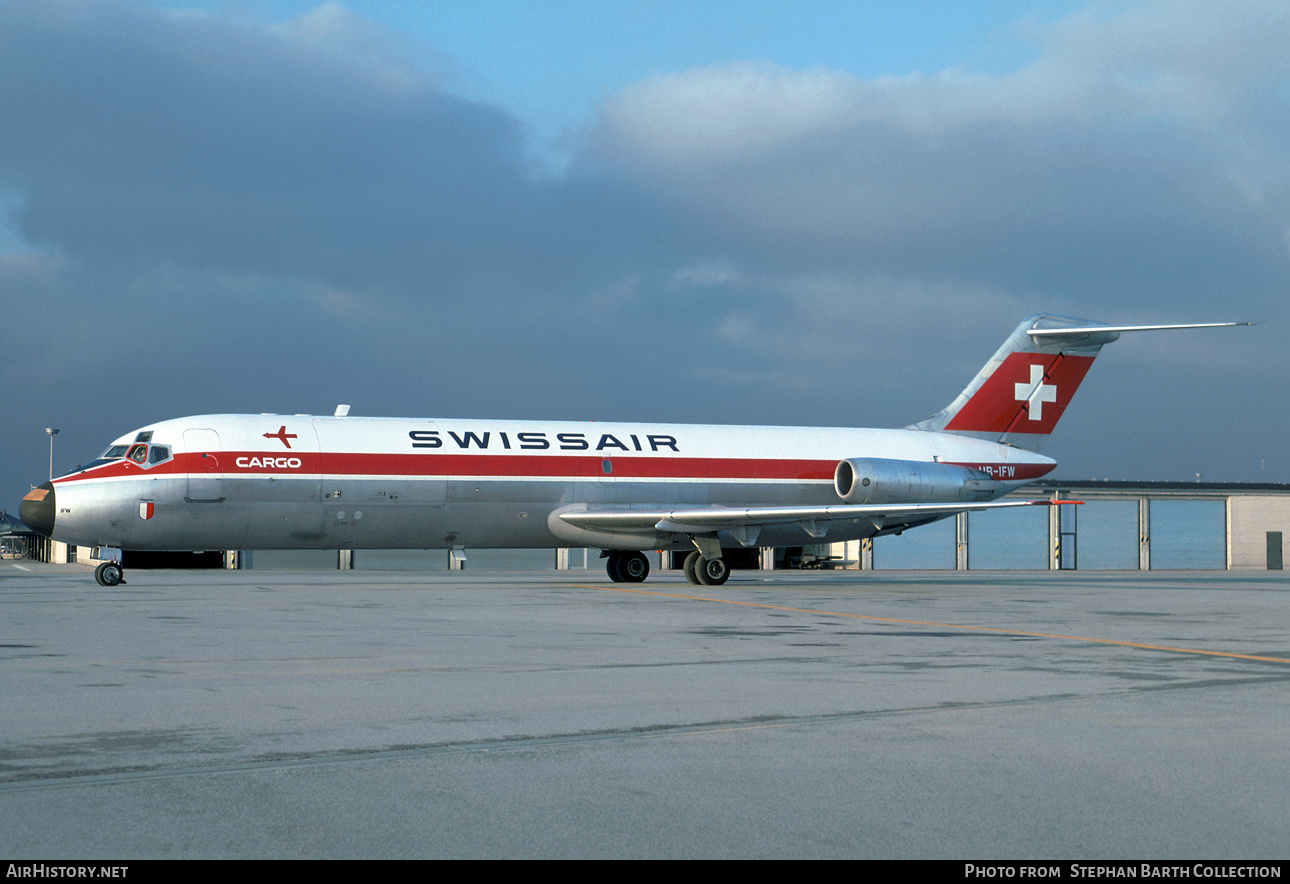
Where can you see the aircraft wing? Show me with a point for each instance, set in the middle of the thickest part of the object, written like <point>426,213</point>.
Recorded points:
<point>745,523</point>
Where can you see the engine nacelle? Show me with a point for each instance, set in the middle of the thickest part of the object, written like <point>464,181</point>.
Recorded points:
<point>883,480</point>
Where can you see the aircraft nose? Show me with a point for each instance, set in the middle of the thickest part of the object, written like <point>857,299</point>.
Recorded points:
<point>37,509</point>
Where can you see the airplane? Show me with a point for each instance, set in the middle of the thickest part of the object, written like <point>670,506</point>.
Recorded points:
<point>220,482</point>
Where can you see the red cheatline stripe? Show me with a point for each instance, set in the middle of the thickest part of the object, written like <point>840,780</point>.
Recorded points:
<point>511,465</point>
<point>571,465</point>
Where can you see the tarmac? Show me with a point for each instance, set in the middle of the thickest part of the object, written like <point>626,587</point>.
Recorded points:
<point>953,715</point>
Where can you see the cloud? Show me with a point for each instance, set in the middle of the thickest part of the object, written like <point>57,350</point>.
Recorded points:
<point>305,149</point>
<point>1142,148</point>
<point>727,110</point>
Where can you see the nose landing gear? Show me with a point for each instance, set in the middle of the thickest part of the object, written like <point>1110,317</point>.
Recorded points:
<point>109,574</point>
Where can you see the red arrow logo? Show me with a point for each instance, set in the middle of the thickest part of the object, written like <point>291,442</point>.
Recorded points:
<point>282,435</point>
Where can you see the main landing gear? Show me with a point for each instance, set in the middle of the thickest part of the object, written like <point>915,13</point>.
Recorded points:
<point>704,571</point>
<point>109,574</point>
<point>627,566</point>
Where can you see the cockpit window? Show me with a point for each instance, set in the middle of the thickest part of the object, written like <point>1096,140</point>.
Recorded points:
<point>159,453</point>
<point>114,452</point>
<point>138,453</point>
<point>145,436</point>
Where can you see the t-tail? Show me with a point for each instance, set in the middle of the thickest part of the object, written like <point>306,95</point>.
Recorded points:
<point>1021,393</point>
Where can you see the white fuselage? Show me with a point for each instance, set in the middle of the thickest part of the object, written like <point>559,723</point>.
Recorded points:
<point>303,482</point>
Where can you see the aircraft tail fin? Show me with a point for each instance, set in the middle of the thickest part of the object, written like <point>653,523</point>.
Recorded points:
<point>1021,393</point>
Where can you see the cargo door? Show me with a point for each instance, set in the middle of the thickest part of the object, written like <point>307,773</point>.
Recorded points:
<point>205,482</point>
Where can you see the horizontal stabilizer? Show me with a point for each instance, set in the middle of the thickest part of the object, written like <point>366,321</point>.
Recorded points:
<point>1080,331</point>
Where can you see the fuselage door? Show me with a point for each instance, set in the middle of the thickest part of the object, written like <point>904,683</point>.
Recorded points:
<point>204,482</point>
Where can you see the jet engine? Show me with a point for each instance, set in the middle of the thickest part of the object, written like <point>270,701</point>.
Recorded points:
<point>883,480</point>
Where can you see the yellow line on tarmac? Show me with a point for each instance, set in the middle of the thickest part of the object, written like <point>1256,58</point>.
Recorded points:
<point>995,629</point>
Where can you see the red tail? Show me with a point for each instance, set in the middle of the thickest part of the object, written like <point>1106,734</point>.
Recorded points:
<point>1024,389</point>
<point>1027,393</point>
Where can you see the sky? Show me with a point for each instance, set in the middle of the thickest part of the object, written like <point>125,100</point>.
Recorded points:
<point>812,214</point>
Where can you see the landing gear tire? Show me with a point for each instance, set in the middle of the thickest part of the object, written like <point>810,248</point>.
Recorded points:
<point>712,572</point>
<point>690,567</point>
<point>633,567</point>
<point>627,567</point>
<point>109,574</point>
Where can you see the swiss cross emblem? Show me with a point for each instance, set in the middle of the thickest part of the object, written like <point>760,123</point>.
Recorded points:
<point>282,435</point>
<point>1036,393</point>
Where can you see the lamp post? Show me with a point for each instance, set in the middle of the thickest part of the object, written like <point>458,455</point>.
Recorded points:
<point>52,431</point>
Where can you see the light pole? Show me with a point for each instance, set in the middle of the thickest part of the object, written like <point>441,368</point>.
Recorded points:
<point>52,431</point>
